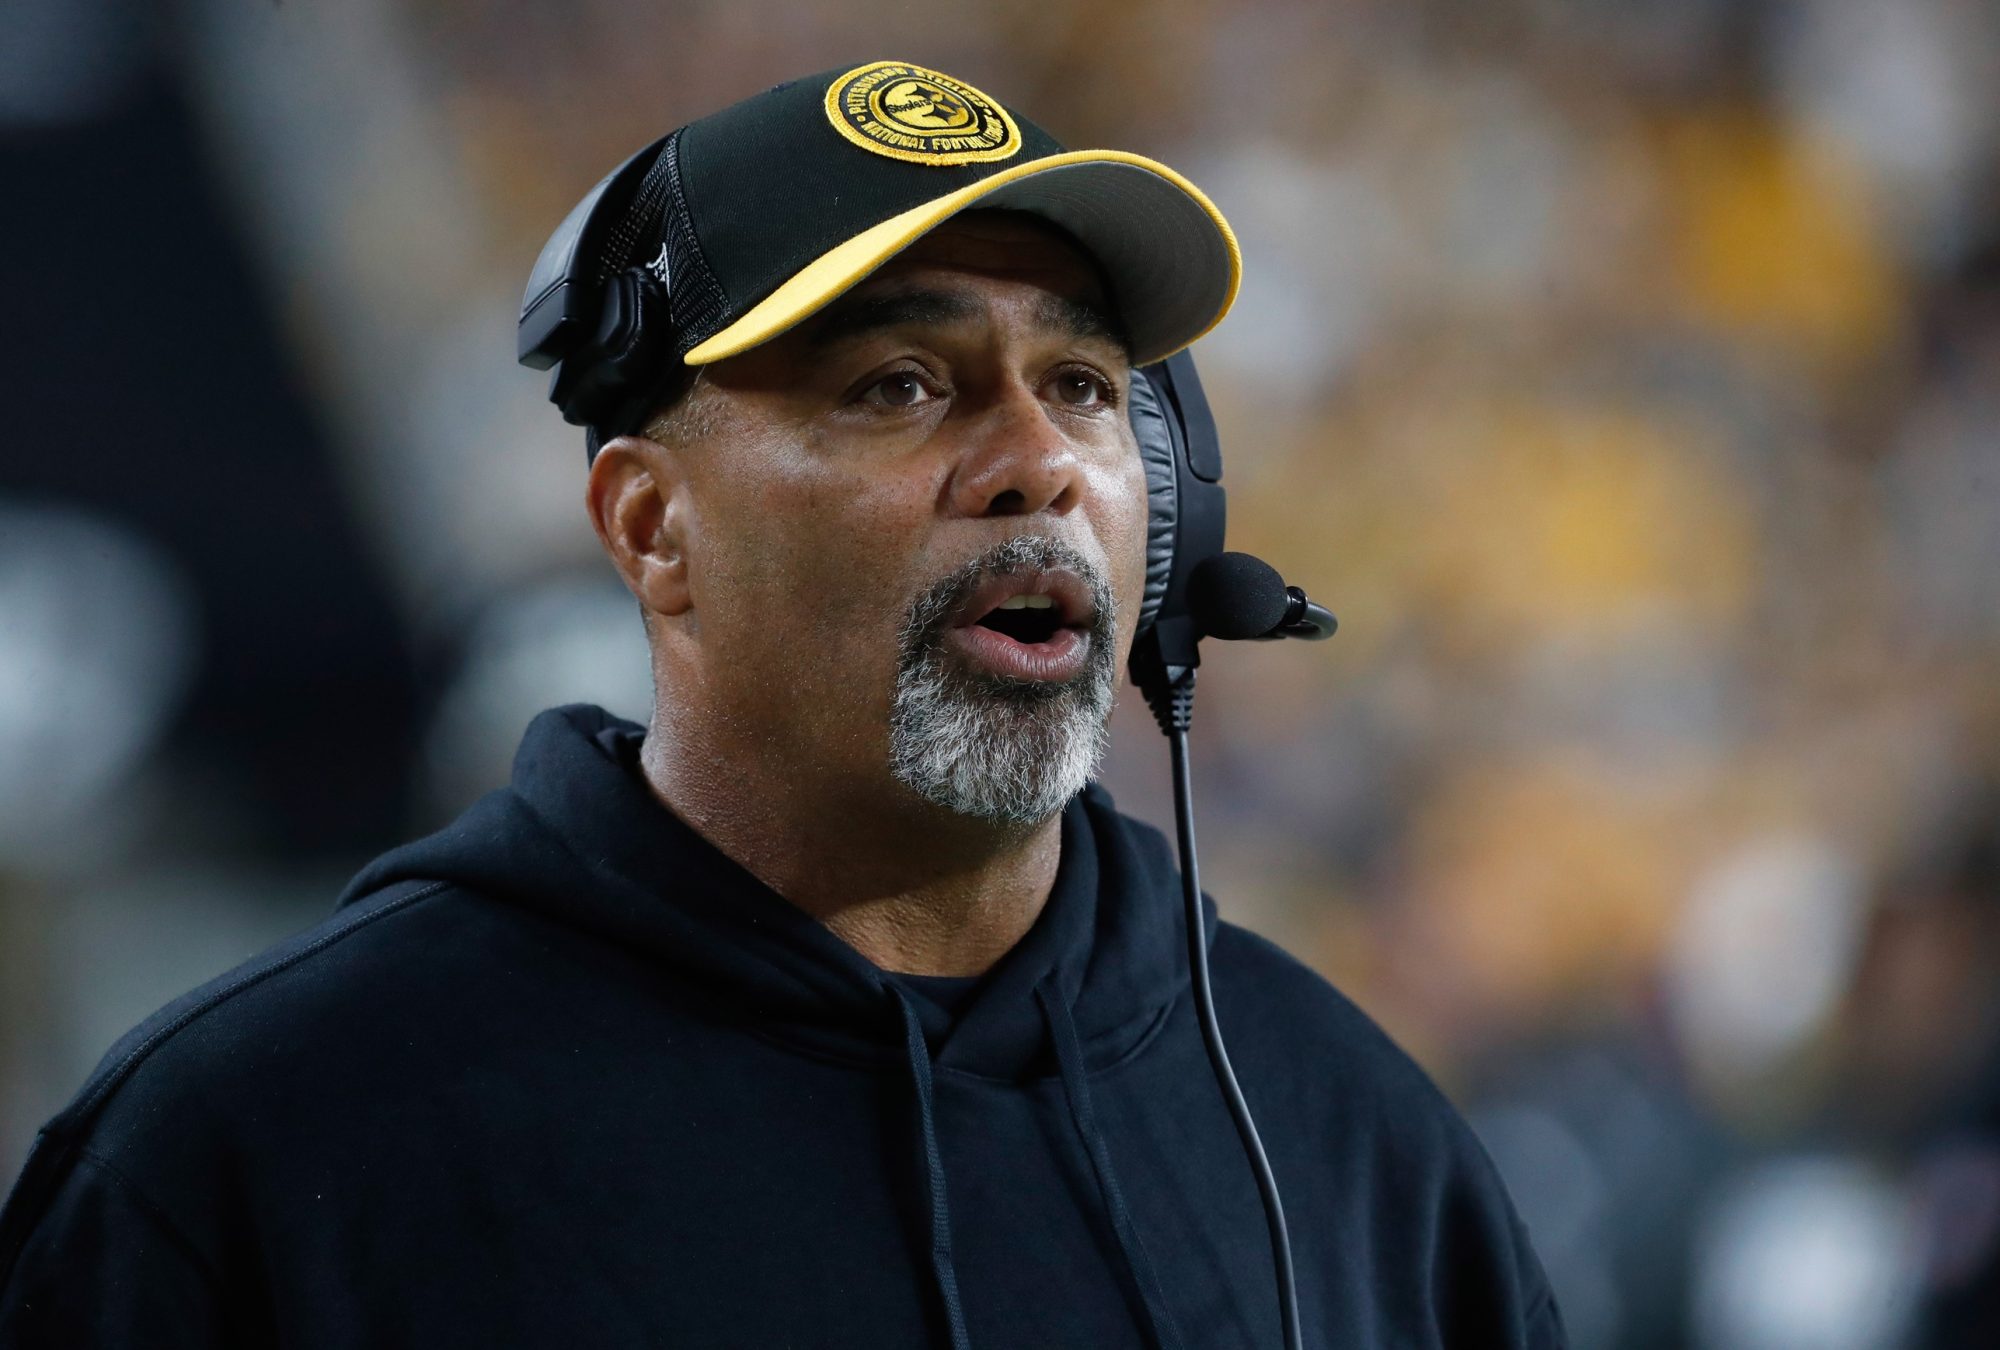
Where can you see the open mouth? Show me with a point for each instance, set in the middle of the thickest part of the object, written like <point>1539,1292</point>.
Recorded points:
<point>1028,626</point>
<point>1028,619</point>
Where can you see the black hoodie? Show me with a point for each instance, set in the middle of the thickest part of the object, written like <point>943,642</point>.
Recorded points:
<point>562,1074</point>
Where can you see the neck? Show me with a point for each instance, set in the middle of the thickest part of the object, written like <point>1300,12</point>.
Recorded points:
<point>911,886</point>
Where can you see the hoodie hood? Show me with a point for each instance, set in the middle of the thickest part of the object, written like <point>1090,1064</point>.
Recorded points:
<point>579,838</point>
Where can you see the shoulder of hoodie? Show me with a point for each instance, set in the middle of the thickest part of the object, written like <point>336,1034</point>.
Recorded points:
<point>1300,1044</point>
<point>309,993</point>
<point>158,1100</point>
<point>1266,991</point>
<point>1288,1024</point>
<point>1285,1018</point>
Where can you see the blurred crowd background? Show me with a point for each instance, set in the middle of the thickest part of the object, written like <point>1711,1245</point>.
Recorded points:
<point>1625,373</point>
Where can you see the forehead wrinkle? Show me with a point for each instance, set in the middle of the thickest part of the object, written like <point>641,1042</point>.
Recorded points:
<point>857,316</point>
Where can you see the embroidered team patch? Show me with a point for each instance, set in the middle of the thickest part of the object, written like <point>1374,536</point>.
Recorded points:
<point>908,112</point>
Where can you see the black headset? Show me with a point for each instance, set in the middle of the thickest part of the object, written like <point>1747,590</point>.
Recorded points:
<point>605,321</point>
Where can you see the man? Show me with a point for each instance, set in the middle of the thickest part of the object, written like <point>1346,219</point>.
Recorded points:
<point>833,1007</point>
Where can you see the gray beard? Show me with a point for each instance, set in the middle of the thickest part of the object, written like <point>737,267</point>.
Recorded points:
<point>986,746</point>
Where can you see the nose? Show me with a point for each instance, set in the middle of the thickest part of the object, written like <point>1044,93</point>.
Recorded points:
<point>1017,461</point>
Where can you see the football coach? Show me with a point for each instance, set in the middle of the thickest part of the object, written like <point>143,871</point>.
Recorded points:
<point>835,1006</point>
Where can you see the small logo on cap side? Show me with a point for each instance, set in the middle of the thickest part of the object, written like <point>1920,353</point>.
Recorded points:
<point>907,112</point>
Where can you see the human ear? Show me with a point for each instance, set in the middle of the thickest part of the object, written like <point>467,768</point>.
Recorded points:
<point>637,505</point>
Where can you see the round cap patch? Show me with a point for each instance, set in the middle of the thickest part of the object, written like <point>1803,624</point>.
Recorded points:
<point>910,113</point>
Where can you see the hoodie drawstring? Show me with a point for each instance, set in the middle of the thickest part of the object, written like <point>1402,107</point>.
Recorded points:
<point>1071,1071</point>
<point>942,1269</point>
<point>1076,1090</point>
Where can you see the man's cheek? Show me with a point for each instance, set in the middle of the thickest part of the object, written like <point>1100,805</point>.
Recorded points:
<point>851,615</point>
<point>1124,539</point>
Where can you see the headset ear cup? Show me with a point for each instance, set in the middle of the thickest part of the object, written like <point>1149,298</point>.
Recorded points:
<point>621,366</point>
<point>1156,451</point>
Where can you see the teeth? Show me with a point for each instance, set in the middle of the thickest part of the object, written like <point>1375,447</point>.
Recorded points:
<point>1028,602</point>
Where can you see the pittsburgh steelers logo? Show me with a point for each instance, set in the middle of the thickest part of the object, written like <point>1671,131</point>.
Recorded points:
<point>910,113</point>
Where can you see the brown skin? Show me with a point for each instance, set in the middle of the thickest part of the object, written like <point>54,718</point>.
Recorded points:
<point>775,529</point>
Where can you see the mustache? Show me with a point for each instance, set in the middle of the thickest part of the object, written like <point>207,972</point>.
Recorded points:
<point>930,614</point>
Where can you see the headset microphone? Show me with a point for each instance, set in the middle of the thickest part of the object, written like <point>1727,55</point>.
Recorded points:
<point>1237,597</point>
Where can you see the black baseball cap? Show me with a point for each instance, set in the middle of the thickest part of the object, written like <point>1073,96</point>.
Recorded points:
<point>756,217</point>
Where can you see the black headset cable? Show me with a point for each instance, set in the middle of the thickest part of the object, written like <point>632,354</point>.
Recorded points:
<point>1173,714</point>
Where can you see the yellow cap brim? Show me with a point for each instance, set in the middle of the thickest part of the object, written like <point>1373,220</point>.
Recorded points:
<point>1171,260</point>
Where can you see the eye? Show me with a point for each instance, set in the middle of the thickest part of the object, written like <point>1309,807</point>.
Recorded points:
<point>898,389</point>
<point>1081,388</point>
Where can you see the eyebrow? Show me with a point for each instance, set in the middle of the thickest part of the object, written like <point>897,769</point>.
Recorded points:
<point>848,319</point>
<point>852,318</point>
<point>1081,319</point>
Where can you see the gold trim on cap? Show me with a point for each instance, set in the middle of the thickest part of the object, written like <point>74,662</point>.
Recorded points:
<point>837,270</point>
